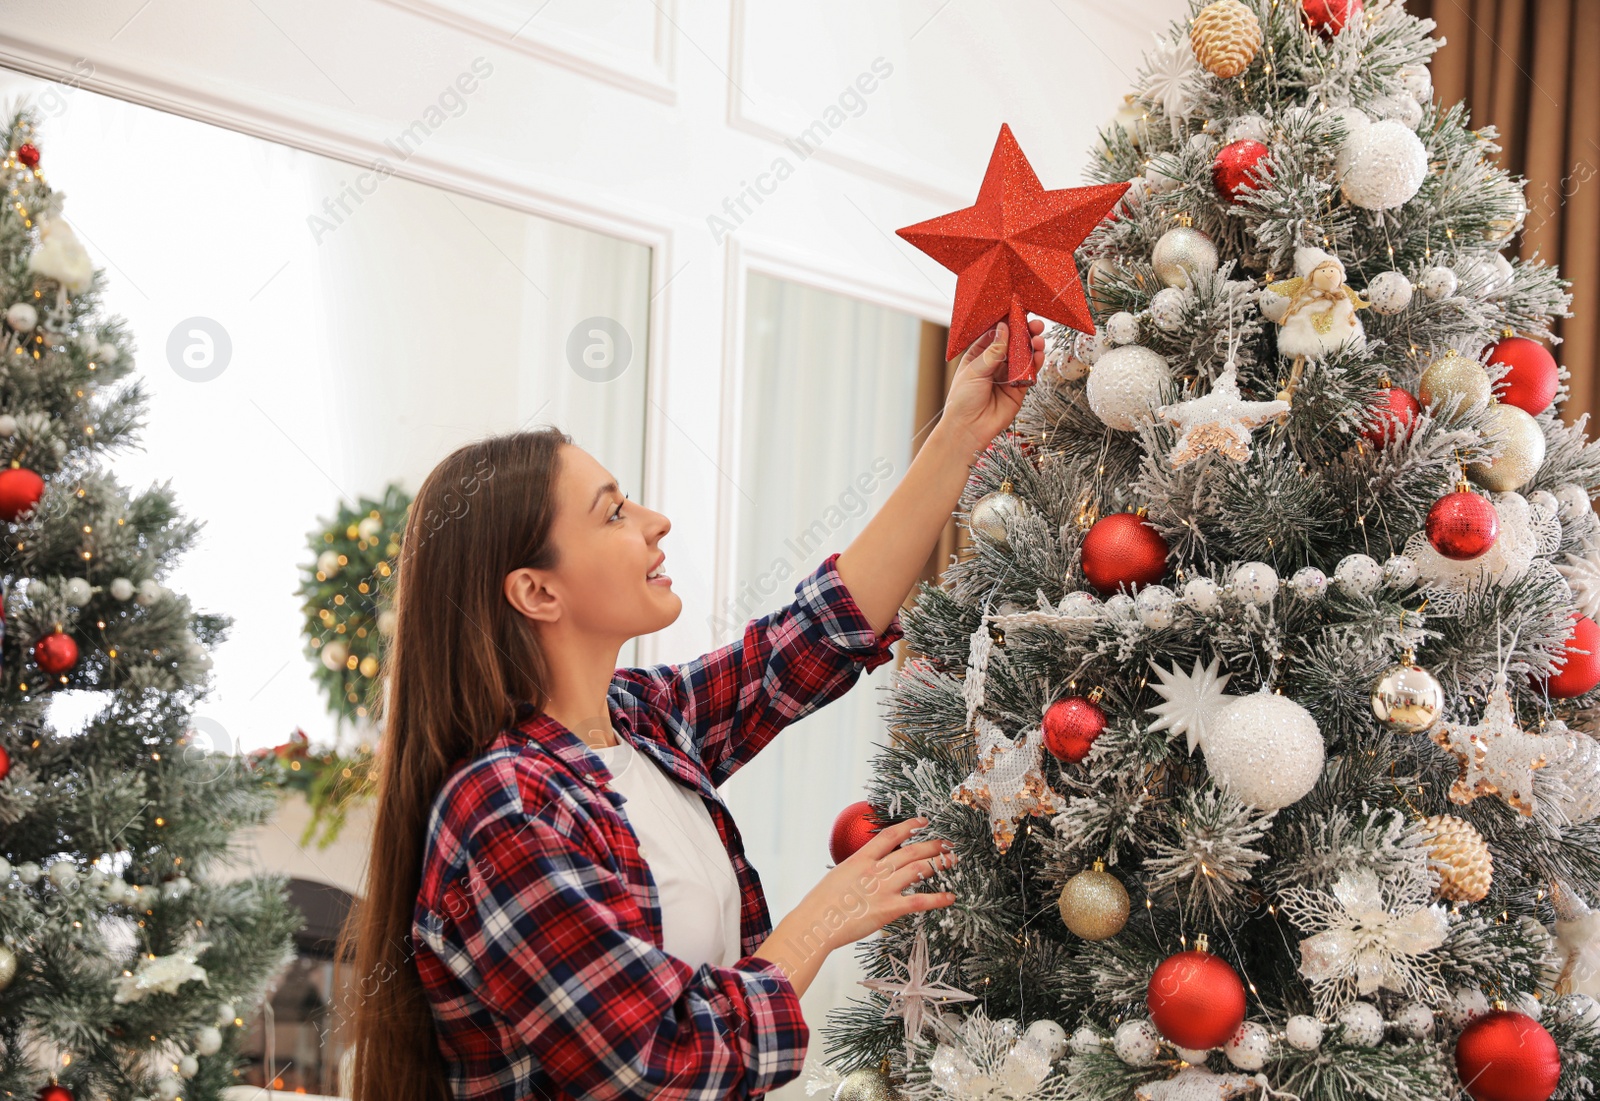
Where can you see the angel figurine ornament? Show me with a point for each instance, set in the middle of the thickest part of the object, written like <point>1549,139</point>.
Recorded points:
<point>1317,315</point>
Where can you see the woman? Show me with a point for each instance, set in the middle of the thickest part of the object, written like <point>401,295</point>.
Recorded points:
<point>558,903</point>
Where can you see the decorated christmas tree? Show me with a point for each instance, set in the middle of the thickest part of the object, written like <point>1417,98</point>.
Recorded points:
<point>1261,711</point>
<point>126,967</point>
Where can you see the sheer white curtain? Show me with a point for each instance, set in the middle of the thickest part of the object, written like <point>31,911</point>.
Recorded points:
<point>829,387</point>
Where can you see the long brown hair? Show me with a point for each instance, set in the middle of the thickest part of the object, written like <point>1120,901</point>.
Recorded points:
<point>458,661</point>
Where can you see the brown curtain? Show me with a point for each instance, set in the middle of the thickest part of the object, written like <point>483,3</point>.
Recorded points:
<point>1532,69</point>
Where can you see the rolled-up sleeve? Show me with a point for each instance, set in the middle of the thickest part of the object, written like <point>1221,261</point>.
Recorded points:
<point>734,700</point>
<point>538,929</point>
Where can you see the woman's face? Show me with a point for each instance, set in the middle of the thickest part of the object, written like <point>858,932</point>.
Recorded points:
<point>609,581</point>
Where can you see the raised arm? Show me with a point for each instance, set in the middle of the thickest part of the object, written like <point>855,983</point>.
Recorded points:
<point>880,565</point>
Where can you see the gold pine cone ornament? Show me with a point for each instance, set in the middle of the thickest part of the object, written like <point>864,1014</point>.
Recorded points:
<point>1458,852</point>
<point>1225,37</point>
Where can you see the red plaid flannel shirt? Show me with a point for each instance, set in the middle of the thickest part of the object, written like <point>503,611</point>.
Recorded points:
<point>537,929</point>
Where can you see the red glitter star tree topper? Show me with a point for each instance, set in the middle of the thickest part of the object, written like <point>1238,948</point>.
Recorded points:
<point>1012,254</point>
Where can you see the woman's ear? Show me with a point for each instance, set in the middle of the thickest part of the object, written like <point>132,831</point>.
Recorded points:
<point>528,591</point>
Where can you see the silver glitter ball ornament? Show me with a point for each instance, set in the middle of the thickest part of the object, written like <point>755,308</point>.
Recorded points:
<point>1400,571</point>
<point>1408,698</point>
<point>1309,583</point>
<point>866,1084</point>
<point>992,511</point>
<point>1439,283</point>
<point>1521,443</point>
<point>1389,292</point>
<point>1136,1042</point>
<point>1183,253</point>
<point>1415,1021</point>
<point>1303,1033</point>
<point>1255,582</point>
<point>1358,575</point>
<point>1363,1024</point>
<point>1250,1047</point>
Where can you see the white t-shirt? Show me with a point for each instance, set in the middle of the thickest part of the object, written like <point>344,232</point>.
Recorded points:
<point>695,881</point>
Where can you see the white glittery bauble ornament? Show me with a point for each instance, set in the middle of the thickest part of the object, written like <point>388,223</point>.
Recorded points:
<point>169,1088</point>
<point>1527,1005</point>
<point>1415,1021</point>
<point>21,316</point>
<point>1156,604</point>
<point>1202,594</point>
<point>1079,605</point>
<point>328,563</point>
<point>1264,749</point>
<point>1126,385</point>
<point>207,1040</point>
<point>63,874</point>
<point>1384,165</point>
<point>1195,1056</point>
<point>1122,327</point>
<point>1089,347</point>
<point>1048,1035</point>
<point>1182,253</point>
<point>1119,606</point>
<point>188,1066</point>
<point>1085,1041</point>
<point>1438,283</point>
<point>1402,108</point>
<point>1542,501</point>
<point>148,593</point>
<point>1303,1033</point>
<point>1577,1007</point>
<point>1255,582</point>
<point>29,872</point>
<point>1166,309</point>
<point>1574,501</point>
<point>1247,127</point>
<point>37,591</point>
<point>1400,571</point>
<point>1418,82</point>
<point>1358,575</point>
<point>1520,441</point>
<point>1362,1024</point>
<point>387,619</point>
<point>1466,1005</point>
<point>1250,1047</point>
<point>8,426</point>
<point>77,591</point>
<point>1389,292</point>
<point>1352,122</point>
<point>122,588</point>
<point>1309,583</point>
<point>1161,175</point>
<point>1136,1042</point>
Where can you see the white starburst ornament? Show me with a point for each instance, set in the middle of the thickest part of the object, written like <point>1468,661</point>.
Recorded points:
<point>1008,782</point>
<point>161,974</point>
<point>1221,421</point>
<point>1189,699</point>
<point>1170,70</point>
<point>1583,578</point>
<point>1497,757</point>
<point>1369,934</point>
<point>916,990</point>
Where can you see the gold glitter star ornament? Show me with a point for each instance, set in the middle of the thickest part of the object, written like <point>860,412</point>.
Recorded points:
<point>1221,421</point>
<point>1008,782</point>
<point>1497,757</point>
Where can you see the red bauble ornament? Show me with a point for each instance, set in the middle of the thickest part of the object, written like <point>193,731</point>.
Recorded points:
<point>853,828</point>
<point>1463,525</point>
<point>1071,726</point>
<point>1195,999</point>
<point>56,653</point>
<point>1393,411</point>
<point>20,490</point>
<point>54,1092</point>
<point>1530,379</point>
<point>1121,549</point>
<point>1012,252</point>
<point>1233,166</point>
<point>28,154</point>
<point>5,763</point>
<point>1329,17</point>
<point>1506,1056</point>
<point>1582,670</point>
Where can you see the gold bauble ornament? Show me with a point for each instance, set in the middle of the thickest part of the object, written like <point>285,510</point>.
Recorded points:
<point>866,1084</point>
<point>992,510</point>
<point>1460,855</point>
<point>1225,36</point>
<point>1182,253</point>
<point>1521,442</point>
<point>369,666</point>
<point>1094,903</point>
<point>1452,374</point>
<point>1407,697</point>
